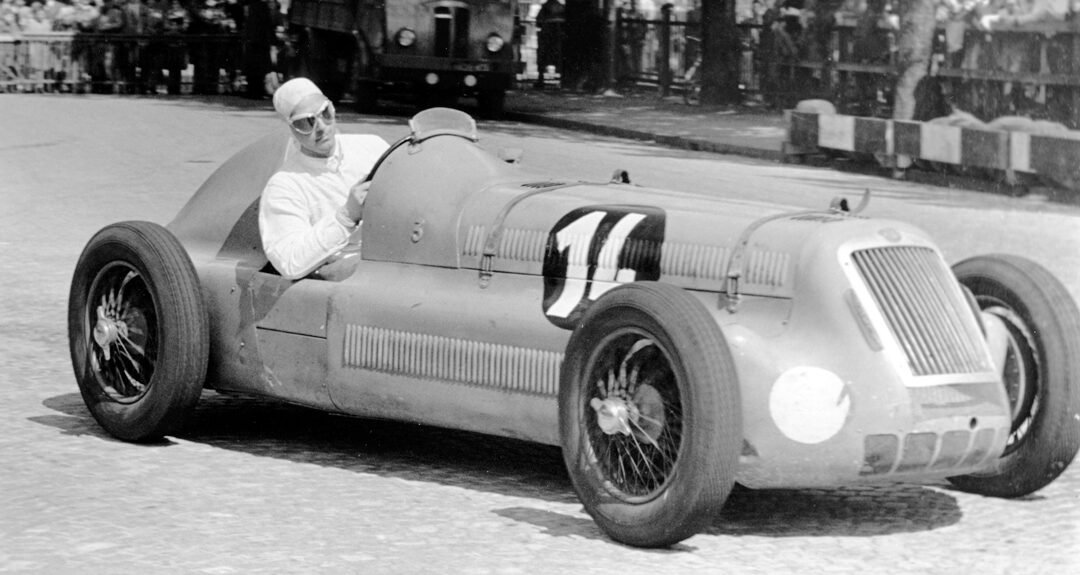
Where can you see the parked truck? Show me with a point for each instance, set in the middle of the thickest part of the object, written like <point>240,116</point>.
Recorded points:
<point>433,50</point>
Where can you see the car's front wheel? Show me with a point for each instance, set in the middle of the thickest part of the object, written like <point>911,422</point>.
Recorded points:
<point>650,416</point>
<point>1033,329</point>
<point>138,330</point>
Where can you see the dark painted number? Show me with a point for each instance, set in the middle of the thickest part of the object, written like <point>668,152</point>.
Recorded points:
<point>592,250</point>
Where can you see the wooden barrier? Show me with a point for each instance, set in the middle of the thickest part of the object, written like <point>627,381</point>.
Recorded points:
<point>895,143</point>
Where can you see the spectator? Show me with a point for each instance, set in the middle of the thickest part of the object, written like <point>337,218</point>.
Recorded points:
<point>52,10</point>
<point>152,52</point>
<point>631,43</point>
<point>128,55</point>
<point>259,36</point>
<point>38,22</point>
<point>551,22</point>
<point>110,20</point>
<point>767,54</point>
<point>1033,11</point>
<point>175,24</point>
<point>9,23</point>
<point>64,17</point>
<point>777,19</point>
<point>25,11</point>
<point>207,19</point>
<point>86,15</point>
<point>37,52</point>
<point>792,13</point>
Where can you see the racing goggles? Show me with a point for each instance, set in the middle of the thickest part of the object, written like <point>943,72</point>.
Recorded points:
<point>305,123</point>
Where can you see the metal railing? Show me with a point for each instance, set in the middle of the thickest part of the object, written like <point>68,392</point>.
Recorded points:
<point>666,53</point>
<point>118,63</point>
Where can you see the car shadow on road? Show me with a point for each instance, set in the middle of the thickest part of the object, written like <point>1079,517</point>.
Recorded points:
<point>859,511</point>
<point>73,419</point>
<point>514,468</point>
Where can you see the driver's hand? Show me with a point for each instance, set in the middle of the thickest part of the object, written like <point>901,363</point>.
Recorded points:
<point>354,205</point>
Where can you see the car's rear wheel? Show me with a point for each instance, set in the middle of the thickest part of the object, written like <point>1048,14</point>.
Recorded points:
<point>650,416</point>
<point>137,330</point>
<point>1033,328</point>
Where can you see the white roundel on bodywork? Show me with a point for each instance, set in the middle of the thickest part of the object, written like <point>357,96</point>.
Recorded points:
<point>809,404</point>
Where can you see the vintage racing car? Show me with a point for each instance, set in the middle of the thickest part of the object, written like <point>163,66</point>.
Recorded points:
<point>671,343</point>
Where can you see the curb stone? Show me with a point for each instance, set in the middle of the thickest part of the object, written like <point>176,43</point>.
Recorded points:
<point>678,142</point>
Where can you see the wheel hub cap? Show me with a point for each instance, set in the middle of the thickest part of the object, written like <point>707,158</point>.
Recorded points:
<point>119,334</point>
<point>614,415</point>
<point>634,422</point>
<point>107,331</point>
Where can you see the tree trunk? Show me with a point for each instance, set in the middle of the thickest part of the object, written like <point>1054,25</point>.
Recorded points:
<point>720,53</point>
<point>914,44</point>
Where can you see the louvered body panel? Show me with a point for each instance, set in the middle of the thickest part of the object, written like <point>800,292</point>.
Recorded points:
<point>451,359</point>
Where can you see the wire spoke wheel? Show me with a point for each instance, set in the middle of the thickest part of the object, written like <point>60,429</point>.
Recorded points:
<point>1019,366</point>
<point>649,414</point>
<point>635,428</point>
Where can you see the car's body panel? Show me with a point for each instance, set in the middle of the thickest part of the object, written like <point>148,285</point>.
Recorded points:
<point>474,272</point>
<point>429,345</point>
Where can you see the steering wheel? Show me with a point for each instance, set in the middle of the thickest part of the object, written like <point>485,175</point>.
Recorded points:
<point>428,124</point>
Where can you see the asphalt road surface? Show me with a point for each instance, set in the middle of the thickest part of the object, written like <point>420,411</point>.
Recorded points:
<point>257,487</point>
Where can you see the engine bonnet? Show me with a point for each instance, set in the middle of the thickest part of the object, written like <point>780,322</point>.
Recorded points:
<point>452,204</point>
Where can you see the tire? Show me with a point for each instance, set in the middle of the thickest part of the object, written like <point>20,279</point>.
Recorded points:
<point>492,103</point>
<point>366,97</point>
<point>692,402</point>
<point>1041,323</point>
<point>138,331</point>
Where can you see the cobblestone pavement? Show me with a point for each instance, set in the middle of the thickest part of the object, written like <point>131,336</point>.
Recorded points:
<point>258,487</point>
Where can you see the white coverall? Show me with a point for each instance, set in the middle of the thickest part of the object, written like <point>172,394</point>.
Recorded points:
<point>300,217</point>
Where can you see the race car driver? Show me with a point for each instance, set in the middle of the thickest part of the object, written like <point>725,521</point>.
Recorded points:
<point>311,208</point>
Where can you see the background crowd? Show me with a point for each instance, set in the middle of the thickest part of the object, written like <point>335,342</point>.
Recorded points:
<point>140,46</point>
<point>123,16</point>
<point>236,44</point>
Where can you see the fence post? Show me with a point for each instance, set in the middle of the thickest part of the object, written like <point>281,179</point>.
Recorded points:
<point>1074,92</point>
<point>665,50</point>
<point>612,18</point>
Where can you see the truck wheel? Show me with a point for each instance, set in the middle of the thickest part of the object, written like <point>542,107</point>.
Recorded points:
<point>649,414</point>
<point>492,103</point>
<point>1033,327</point>
<point>366,96</point>
<point>138,330</point>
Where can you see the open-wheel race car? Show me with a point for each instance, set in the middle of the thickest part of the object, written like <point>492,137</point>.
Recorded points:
<point>672,343</point>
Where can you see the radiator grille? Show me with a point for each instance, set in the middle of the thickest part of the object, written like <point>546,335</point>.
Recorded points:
<point>916,293</point>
